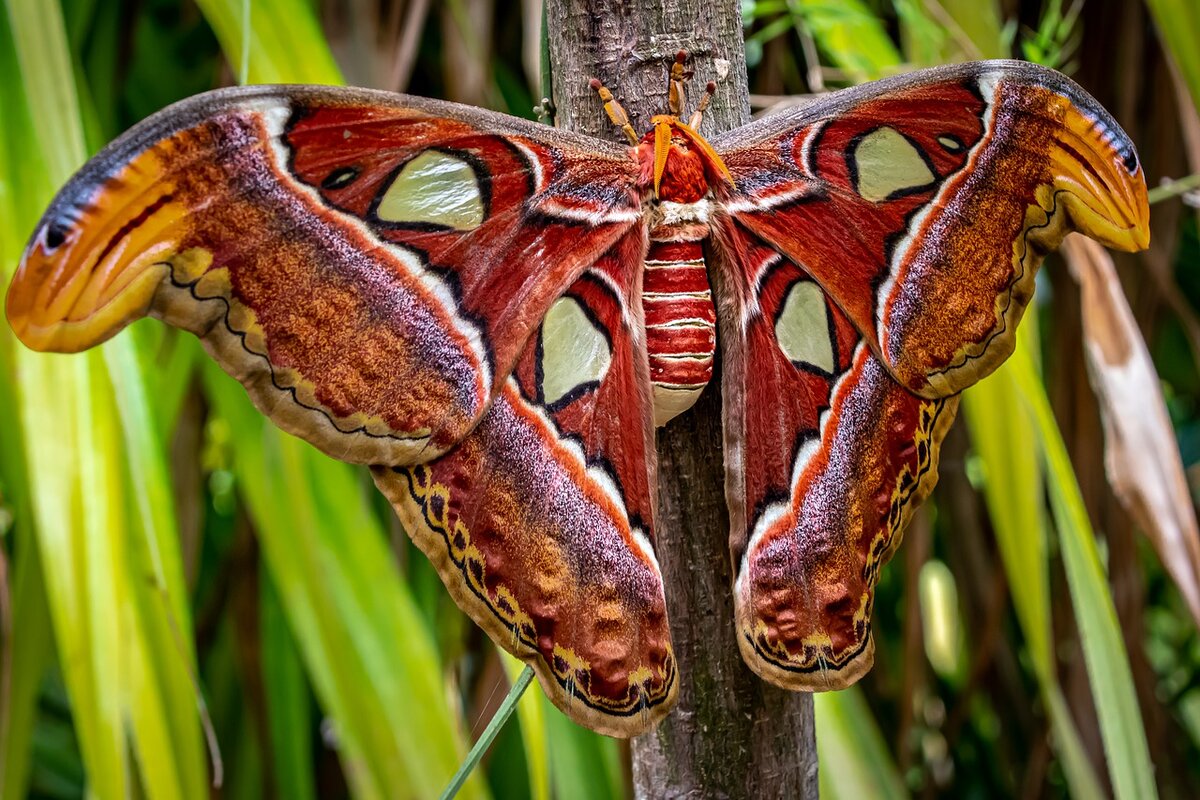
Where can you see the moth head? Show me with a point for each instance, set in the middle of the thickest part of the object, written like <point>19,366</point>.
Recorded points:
<point>674,153</point>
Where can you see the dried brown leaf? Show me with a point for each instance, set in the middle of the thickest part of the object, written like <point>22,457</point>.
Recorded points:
<point>1141,456</point>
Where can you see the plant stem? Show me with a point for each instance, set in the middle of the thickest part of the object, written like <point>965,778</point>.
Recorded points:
<point>489,733</point>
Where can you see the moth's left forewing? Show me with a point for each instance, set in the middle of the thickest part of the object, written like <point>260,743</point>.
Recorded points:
<point>541,522</point>
<point>924,204</point>
<point>368,265</point>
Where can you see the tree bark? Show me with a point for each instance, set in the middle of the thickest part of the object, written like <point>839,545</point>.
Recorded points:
<point>731,735</point>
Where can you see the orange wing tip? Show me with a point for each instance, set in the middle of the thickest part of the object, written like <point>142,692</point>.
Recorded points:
<point>97,259</point>
<point>82,328</point>
<point>1098,171</point>
<point>69,298</point>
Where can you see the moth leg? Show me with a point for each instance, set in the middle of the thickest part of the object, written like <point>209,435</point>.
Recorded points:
<point>614,110</point>
<point>697,117</point>
<point>675,84</point>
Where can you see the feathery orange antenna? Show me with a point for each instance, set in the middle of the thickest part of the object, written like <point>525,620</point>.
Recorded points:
<point>663,125</point>
<point>614,110</point>
<point>700,143</point>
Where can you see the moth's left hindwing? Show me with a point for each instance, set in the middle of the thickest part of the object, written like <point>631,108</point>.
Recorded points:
<point>541,522</point>
<point>368,265</point>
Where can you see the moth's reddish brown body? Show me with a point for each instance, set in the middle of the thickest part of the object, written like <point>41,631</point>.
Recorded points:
<point>493,314</point>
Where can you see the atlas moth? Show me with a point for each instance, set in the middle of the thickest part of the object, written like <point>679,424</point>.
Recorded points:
<point>495,315</point>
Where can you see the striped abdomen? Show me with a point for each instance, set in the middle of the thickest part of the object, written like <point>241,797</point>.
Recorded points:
<point>680,325</point>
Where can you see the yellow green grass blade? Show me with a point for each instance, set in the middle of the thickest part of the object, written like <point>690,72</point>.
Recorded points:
<point>25,665</point>
<point>121,638</point>
<point>289,716</point>
<point>950,30</point>
<point>975,25</point>
<point>1121,727</point>
<point>162,689</point>
<point>364,644</point>
<point>1178,23</point>
<point>21,173</point>
<point>851,35</point>
<point>583,765</point>
<point>1003,433</point>
<point>284,43</point>
<point>854,758</point>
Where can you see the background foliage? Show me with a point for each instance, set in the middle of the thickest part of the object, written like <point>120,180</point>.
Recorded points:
<point>176,575</point>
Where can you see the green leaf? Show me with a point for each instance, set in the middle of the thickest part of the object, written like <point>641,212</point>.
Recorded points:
<point>21,668</point>
<point>1121,726</point>
<point>999,418</point>
<point>854,760</point>
<point>1178,23</point>
<point>100,532</point>
<point>289,715</point>
<point>851,35</point>
<point>284,43</point>
<point>1013,489</point>
<point>583,764</point>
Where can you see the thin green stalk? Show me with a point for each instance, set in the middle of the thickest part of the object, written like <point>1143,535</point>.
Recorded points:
<point>531,712</point>
<point>489,734</point>
<point>1174,189</point>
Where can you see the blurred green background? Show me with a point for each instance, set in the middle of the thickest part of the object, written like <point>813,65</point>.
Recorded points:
<point>178,579</point>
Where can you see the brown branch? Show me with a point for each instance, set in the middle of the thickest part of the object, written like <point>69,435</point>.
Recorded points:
<point>732,735</point>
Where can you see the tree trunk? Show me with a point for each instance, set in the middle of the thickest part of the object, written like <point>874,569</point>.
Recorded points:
<point>731,735</point>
